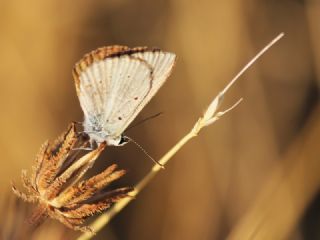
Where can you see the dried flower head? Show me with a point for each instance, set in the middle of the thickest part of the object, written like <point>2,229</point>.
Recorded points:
<point>55,182</point>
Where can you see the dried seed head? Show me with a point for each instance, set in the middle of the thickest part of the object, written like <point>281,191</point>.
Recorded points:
<point>56,187</point>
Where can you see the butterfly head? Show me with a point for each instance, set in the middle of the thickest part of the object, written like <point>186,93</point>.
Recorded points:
<point>117,141</point>
<point>123,140</point>
<point>99,137</point>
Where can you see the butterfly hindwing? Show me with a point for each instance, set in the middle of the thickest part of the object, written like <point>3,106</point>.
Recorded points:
<point>161,64</point>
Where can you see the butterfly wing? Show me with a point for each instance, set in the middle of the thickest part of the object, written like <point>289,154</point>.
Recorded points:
<point>113,89</point>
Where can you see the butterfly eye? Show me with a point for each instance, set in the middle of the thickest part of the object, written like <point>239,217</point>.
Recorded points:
<point>123,140</point>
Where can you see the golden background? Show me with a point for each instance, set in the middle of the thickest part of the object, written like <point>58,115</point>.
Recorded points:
<point>255,174</point>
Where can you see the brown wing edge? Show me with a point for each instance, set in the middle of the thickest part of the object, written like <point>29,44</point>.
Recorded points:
<point>101,54</point>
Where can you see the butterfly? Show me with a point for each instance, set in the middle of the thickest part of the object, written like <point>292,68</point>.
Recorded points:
<point>113,85</point>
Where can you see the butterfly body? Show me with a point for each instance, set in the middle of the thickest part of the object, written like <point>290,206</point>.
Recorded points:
<point>114,84</point>
<point>98,135</point>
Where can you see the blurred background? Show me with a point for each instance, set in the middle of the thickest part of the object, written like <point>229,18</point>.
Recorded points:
<point>255,174</point>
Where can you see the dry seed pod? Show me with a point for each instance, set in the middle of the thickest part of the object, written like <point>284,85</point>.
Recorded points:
<point>56,187</point>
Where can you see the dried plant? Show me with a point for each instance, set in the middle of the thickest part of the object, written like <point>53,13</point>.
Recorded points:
<point>55,182</point>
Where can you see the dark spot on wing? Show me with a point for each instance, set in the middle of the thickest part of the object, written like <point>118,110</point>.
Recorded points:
<point>120,118</point>
<point>129,51</point>
<point>136,98</point>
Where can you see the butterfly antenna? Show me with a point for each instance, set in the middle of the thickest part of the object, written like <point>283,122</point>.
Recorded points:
<point>145,152</point>
<point>144,120</point>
